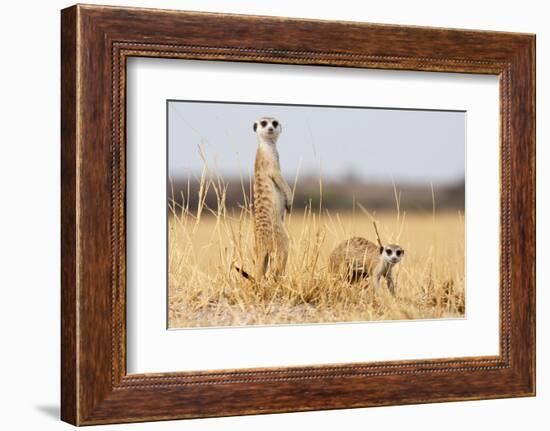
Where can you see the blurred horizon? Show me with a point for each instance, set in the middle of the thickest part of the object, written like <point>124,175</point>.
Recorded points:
<point>342,196</point>
<point>360,154</point>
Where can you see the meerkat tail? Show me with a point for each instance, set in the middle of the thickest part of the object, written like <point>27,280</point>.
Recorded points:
<point>244,273</point>
<point>377,234</point>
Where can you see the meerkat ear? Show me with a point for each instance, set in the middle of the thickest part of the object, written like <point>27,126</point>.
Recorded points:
<point>381,249</point>
<point>255,126</point>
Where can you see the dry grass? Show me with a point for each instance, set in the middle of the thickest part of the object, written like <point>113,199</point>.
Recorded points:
<point>205,289</point>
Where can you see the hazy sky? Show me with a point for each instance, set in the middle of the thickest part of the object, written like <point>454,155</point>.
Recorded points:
<point>373,144</point>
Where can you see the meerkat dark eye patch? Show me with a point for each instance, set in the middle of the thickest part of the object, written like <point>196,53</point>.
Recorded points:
<point>388,251</point>
<point>399,252</point>
<point>275,123</point>
<point>263,123</point>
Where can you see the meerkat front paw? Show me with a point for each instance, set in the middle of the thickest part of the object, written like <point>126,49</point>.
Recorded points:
<point>288,206</point>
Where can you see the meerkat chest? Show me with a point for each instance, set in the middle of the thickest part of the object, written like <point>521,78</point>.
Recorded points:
<point>267,164</point>
<point>267,194</point>
<point>383,267</point>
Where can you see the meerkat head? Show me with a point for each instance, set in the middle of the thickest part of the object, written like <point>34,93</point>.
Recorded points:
<point>267,128</point>
<point>392,253</point>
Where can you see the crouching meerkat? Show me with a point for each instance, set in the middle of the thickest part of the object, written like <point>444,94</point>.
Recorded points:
<point>358,257</point>
<point>272,197</point>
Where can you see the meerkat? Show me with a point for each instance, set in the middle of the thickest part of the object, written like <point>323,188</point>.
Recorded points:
<point>272,197</point>
<point>358,257</point>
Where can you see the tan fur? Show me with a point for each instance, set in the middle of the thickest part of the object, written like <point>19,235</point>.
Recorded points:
<point>358,257</point>
<point>272,196</point>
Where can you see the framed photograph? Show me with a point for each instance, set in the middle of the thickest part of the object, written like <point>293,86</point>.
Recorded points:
<point>264,214</point>
<point>235,259</point>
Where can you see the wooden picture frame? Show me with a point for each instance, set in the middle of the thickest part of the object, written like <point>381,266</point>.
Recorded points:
<point>95,43</point>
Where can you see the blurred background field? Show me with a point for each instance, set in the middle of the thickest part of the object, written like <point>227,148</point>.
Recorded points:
<point>338,195</point>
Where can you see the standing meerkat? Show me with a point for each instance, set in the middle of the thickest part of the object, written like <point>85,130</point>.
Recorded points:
<point>272,196</point>
<point>358,257</point>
